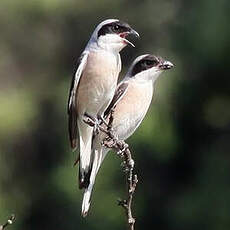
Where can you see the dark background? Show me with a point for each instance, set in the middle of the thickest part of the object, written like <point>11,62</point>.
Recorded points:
<point>181,149</point>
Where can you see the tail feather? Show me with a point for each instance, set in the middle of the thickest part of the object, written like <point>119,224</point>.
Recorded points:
<point>84,178</point>
<point>85,165</point>
<point>99,156</point>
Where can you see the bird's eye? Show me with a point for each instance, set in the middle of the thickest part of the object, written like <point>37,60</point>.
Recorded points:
<point>116,28</point>
<point>149,62</point>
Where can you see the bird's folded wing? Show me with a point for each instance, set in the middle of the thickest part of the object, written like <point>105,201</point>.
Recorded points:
<point>72,111</point>
<point>119,93</point>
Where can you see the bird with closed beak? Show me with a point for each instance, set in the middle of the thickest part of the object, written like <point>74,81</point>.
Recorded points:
<point>130,104</point>
<point>93,87</point>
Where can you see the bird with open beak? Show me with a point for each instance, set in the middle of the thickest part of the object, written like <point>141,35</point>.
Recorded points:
<point>130,104</point>
<point>93,87</point>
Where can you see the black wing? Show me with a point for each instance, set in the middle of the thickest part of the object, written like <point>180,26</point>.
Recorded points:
<point>119,93</point>
<point>72,111</point>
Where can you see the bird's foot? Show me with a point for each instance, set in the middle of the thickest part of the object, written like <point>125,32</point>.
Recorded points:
<point>103,121</point>
<point>96,127</point>
<point>92,121</point>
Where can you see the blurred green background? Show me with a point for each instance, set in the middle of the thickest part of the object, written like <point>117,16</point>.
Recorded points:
<point>181,149</point>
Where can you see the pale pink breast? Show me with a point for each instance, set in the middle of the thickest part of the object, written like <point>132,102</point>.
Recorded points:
<point>132,108</point>
<point>98,79</point>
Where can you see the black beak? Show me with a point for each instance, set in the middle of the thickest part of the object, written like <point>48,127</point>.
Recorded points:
<point>166,65</point>
<point>134,32</point>
<point>130,32</point>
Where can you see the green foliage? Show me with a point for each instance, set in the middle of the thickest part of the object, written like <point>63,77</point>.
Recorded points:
<point>181,148</point>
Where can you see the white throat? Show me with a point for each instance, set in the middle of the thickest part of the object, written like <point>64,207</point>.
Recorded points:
<point>148,75</point>
<point>110,42</point>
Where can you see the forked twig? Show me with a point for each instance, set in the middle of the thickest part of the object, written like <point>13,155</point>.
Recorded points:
<point>123,151</point>
<point>8,222</point>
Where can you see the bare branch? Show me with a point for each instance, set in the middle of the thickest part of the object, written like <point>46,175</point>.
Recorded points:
<point>8,222</point>
<point>123,151</point>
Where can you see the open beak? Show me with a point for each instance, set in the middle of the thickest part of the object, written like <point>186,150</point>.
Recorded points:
<point>125,34</point>
<point>166,65</point>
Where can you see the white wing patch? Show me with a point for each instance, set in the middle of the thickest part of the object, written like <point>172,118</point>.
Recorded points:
<point>77,76</point>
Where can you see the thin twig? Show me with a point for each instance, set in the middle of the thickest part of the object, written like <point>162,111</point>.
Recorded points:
<point>8,222</point>
<point>123,151</point>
